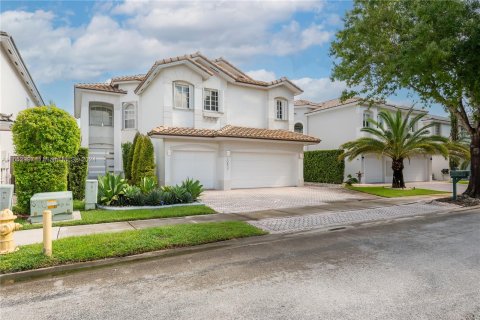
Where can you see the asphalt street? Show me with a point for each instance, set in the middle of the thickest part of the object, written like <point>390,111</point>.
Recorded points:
<point>421,269</point>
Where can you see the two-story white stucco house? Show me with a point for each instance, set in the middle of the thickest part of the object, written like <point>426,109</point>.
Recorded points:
<point>17,92</point>
<point>208,120</point>
<point>338,122</point>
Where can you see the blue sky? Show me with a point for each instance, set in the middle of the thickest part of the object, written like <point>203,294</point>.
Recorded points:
<point>68,42</point>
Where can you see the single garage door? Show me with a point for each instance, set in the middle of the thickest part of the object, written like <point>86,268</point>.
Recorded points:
<point>414,170</point>
<point>257,170</point>
<point>198,165</point>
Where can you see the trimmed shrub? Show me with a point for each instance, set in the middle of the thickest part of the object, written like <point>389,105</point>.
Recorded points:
<point>136,160</point>
<point>154,198</point>
<point>194,187</point>
<point>46,132</point>
<point>128,169</point>
<point>50,134</point>
<point>323,166</point>
<point>143,164</point>
<point>77,174</point>
<point>126,148</point>
<point>146,164</point>
<point>37,176</point>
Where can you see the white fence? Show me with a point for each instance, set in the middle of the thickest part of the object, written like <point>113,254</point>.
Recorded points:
<point>100,162</point>
<point>5,175</point>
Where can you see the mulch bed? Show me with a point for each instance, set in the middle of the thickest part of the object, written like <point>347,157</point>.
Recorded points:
<point>462,200</point>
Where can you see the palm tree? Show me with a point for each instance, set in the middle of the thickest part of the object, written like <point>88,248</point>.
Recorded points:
<point>396,137</point>
<point>460,151</point>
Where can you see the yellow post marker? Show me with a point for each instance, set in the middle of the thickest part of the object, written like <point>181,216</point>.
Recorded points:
<point>47,233</point>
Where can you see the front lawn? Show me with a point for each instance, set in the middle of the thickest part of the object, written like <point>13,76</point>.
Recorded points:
<point>103,216</point>
<point>387,192</point>
<point>119,244</point>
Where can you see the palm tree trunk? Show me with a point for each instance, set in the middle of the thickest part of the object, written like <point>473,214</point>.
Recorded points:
<point>397,167</point>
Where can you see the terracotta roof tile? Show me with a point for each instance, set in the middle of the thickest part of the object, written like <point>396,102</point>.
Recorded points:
<point>235,132</point>
<point>100,87</point>
<point>137,77</point>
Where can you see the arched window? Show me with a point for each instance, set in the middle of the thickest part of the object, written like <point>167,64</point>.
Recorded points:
<point>129,116</point>
<point>298,127</point>
<point>101,116</point>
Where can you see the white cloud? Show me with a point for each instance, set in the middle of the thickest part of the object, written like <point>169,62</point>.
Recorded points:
<point>320,89</point>
<point>262,75</point>
<point>151,30</point>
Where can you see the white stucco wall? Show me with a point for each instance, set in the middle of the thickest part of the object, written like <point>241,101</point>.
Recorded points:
<point>14,97</point>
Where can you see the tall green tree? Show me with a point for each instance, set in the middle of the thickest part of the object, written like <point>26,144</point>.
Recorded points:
<point>430,47</point>
<point>128,167</point>
<point>398,139</point>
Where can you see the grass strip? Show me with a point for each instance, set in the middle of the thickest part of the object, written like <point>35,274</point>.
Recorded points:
<point>104,216</point>
<point>119,244</point>
<point>394,193</point>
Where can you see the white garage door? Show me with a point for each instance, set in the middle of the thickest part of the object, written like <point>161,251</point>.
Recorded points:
<point>198,165</point>
<point>256,170</point>
<point>373,169</point>
<point>415,170</point>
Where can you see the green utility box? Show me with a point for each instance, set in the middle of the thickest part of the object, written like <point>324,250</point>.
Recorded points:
<point>60,203</point>
<point>6,196</point>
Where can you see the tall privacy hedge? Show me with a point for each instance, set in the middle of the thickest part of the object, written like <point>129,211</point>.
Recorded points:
<point>323,166</point>
<point>77,174</point>
<point>143,164</point>
<point>38,176</point>
<point>51,135</point>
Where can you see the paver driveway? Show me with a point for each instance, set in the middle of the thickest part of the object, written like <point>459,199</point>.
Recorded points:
<point>249,200</point>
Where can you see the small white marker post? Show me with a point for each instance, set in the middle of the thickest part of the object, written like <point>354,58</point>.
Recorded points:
<point>47,233</point>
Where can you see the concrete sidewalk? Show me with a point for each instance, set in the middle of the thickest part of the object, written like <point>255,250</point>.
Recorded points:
<point>35,235</point>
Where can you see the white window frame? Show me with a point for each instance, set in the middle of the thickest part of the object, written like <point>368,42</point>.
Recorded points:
<point>125,117</point>
<point>366,115</point>
<point>379,121</point>
<point>212,103</point>
<point>437,129</point>
<point>102,122</point>
<point>281,109</point>
<point>186,89</point>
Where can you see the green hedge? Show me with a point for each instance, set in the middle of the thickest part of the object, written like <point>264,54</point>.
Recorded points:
<point>36,176</point>
<point>323,166</point>
<point>77,174</point>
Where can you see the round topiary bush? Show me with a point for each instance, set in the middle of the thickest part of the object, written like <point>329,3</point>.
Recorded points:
<point>46,132</point>
<point>47,135</point>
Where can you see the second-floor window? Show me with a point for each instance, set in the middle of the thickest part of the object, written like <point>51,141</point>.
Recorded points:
<point>129,116</point>
<point>210,100</point>
<point>379,122</point>
<point>437,129</point>
<point>182,94</point>
<point>366,115</point>
<point>101,116</point>
<point>280,109</point>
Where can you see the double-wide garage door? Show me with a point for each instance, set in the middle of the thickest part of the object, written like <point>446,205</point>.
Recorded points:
<point>256,170</point>
<point>248,169</point>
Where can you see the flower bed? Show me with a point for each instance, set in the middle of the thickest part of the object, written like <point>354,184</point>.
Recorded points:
<point>118,208</point>
<point>114,191</point>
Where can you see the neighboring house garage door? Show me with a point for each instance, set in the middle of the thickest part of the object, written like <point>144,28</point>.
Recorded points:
<point>415,170</point>
<point>198,165</point>
<point>256,170</point>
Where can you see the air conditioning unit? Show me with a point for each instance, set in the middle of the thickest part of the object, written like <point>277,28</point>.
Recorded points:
<point>60,203</point>
<point>6,196</point>
<point>91,193</point>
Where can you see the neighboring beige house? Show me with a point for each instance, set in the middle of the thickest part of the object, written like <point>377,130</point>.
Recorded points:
<point>338,122</point>
<point>208,121</point>
<point>17,92</point>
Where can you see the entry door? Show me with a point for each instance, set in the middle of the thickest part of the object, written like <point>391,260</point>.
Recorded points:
<point>197,165</point>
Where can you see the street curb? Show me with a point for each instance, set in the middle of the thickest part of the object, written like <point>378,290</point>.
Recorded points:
<point>9,278</point>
